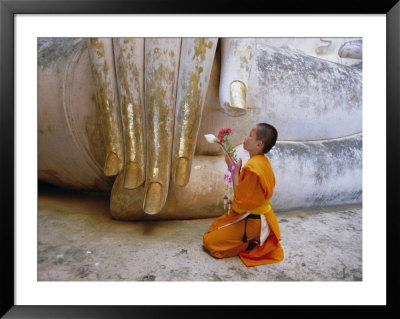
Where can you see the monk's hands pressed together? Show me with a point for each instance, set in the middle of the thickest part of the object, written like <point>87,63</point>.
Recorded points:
<point>229,162</point>
<point>235,176</point>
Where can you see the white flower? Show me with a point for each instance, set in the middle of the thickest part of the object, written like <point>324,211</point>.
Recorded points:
<point>211,138</point>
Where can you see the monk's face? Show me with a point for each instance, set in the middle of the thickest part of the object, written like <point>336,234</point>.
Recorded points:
<point>250,142</point>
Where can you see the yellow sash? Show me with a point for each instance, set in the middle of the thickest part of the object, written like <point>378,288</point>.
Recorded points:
<point>260,210</point>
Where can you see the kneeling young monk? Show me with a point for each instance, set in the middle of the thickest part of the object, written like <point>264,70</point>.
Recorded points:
<point>250,229</point>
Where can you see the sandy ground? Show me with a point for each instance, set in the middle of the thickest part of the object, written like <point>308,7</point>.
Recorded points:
<point>79,241</point>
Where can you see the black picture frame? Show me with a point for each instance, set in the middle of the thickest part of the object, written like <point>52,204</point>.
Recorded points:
<point>8,10</point>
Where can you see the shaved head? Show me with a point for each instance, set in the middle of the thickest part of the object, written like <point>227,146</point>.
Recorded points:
<point>268,135</point>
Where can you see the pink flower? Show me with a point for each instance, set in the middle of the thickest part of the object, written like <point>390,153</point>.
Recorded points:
<point>224,132</point>
<point>222,140</point>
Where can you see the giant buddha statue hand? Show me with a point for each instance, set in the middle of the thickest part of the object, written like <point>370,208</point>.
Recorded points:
<point>128,115</point>
<point>151,109</point>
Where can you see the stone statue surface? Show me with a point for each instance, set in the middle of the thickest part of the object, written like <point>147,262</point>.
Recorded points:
<point>127,116</point>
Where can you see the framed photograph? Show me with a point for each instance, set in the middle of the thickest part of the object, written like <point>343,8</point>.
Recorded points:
<point>22,23</point>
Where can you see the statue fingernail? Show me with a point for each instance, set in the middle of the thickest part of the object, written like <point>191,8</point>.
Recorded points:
<point>238,95</point>
<point>112,164</point>
<point>153,199</point>
<point>133,176</point>
<point>182,172</point>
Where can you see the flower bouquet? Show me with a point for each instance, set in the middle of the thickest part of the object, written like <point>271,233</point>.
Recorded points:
<point>223,141</point>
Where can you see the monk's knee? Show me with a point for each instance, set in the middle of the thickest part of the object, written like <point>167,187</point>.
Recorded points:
<point>207,241</point>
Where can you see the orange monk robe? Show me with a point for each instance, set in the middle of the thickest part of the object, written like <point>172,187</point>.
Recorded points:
<point>252,194</point>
